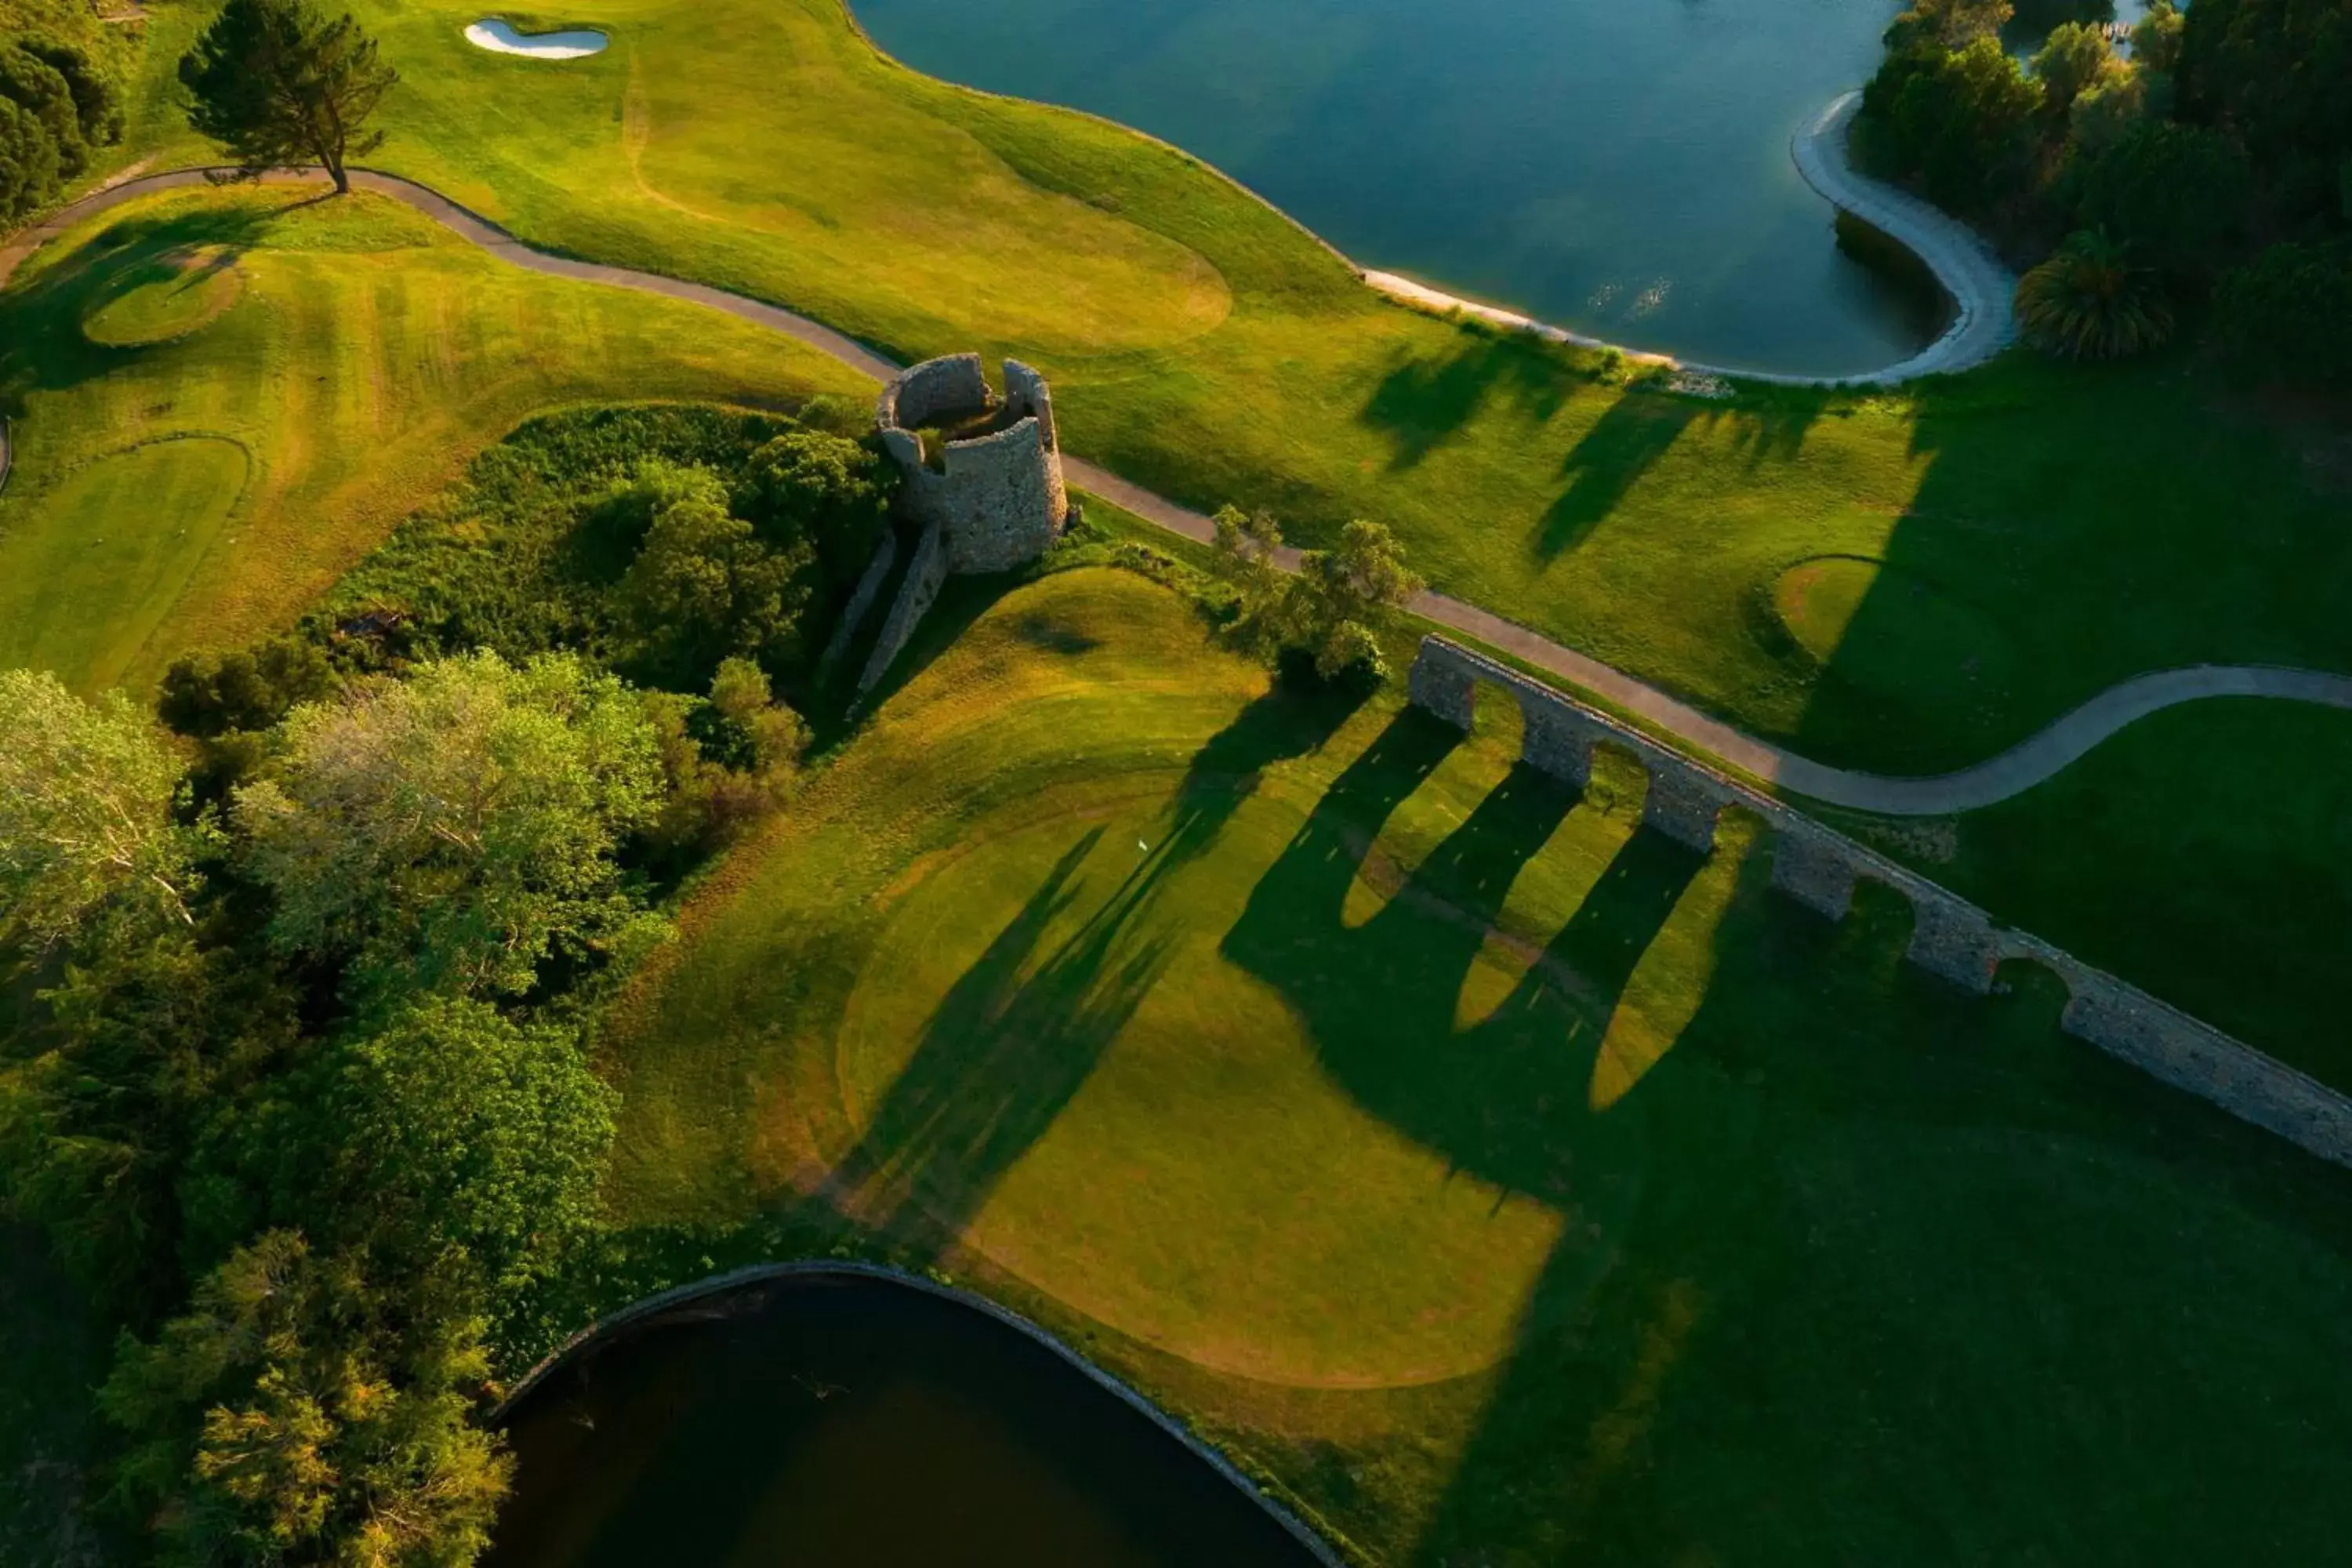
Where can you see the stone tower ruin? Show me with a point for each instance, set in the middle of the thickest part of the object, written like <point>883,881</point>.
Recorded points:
<point>993,502</point>
<point>996,495</point>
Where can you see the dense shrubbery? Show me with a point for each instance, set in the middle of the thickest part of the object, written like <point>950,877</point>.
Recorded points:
<point>2216,156</point>
<point>303,1100</point>
<point>60,100</point>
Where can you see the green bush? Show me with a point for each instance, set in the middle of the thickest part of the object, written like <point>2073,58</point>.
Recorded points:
<point>2176,194</point>
<point>57,104</point>
<point>2278,75</point>
<point>2289,311</point>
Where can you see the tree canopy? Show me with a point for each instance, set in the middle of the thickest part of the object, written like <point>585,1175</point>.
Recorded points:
<point>85,796</point>
<point>448,831</point>
<point>276,84</point>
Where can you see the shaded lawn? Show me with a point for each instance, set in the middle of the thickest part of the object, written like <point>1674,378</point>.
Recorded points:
<point>1503,1182</point>
<point>201,491</point>
<point>2203,852</point>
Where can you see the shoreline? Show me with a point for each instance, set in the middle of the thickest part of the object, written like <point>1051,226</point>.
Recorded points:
<point>1964,267</point>
<point>647,1312</point>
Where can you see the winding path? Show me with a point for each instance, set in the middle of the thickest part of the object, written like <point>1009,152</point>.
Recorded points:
<point>1979,285</point>
<point>2009,774</point>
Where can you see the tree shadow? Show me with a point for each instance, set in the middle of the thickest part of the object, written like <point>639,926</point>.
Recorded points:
<point>1022,1027</point>
<point>1624,443</point>
<point>1008,1046</point>
<point>42,344</point>
<point>1424,401</point>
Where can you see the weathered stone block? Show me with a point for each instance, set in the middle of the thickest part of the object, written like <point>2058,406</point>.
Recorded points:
<point>925,575</point>
<point>1442,683</point>
<point>1556,738</point>
<point>1816,868</point>
<point>999,499</point>
<point>1952,940</point>
<point>861,601</point>
<point>1683,804</point>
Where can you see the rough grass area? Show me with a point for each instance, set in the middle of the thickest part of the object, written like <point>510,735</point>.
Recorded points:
<point>203,488</point>
<point>1506,1184</point>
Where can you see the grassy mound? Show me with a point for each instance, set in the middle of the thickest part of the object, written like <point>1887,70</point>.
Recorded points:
<point>373,355</point>
<point>187,292</point>
<point>1499,1178</point>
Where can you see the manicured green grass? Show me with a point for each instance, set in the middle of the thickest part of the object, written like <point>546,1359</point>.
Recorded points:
<point>1506,1184</point>
<point>2003,546</point>
<point>2096,524</point>
<point>203,488</point>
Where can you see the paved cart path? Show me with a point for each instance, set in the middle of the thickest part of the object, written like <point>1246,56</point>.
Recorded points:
<point>2009,774</point>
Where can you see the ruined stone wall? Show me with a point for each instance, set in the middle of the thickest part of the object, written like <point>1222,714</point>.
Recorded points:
<point>953,383</point>
<point>1950,937</point>
<point>861,600</point>
<point>925,575</point>
<point>999,498</point>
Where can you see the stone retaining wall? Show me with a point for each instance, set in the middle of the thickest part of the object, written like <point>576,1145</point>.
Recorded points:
<point>925,575</point>
<point>1950,937</point>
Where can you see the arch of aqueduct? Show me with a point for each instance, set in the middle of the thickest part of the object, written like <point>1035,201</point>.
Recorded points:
<point>1951,938</point>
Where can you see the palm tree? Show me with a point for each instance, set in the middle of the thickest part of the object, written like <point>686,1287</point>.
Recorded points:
<point>2091,300</point>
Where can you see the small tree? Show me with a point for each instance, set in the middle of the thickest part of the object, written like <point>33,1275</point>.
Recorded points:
<point>85,809</point>
<point>303,1412</point>
<point>2074,60</point>
<point>1335,607</point>
<point>450,830</point>
<point>276,84</point>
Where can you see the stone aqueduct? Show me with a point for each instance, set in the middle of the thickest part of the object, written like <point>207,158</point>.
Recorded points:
<point>1951,938</point>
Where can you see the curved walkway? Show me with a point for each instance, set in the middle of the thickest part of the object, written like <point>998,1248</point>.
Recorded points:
<point>1979,285</point>
<point>2009,774</point>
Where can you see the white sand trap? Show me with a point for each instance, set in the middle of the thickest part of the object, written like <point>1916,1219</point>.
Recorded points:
<point>497,36</point>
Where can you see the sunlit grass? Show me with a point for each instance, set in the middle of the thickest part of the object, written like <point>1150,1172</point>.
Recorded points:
<point>202,490</point>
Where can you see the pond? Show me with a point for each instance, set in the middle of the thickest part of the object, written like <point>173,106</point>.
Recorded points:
<point>1619,167</point>
<point>857,1423</point>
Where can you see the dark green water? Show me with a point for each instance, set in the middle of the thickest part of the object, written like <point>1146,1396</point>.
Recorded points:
<point>853,1422</point>
<point>1617,166</point>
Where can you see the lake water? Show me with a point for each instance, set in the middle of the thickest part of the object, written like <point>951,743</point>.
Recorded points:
<point>855,1422</point>
<point>1617,166</point>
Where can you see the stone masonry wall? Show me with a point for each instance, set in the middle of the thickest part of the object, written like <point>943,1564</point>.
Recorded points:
<point>925,574</point>
<point>1951,938</point>
<point>999,498</point>
<point>861,600</point>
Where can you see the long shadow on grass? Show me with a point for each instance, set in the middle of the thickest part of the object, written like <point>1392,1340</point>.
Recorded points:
<point>1862,1269</point>
<point>1422,403</point>
<point>1020,1031</point>
<point>42,347</point>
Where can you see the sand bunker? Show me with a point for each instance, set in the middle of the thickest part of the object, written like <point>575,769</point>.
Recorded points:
<point>497,36</point>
